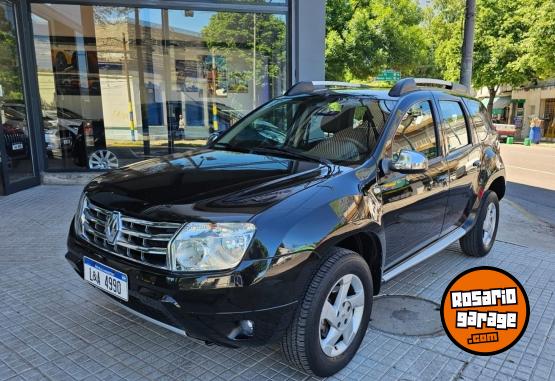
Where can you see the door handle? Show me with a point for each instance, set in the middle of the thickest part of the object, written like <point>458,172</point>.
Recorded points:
<point>477,163</point>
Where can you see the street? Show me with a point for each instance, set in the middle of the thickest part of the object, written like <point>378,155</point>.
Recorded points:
<point>531,193</point>
<point>531,178</point>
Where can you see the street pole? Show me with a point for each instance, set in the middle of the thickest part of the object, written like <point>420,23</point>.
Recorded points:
<point>254,63</point>
<point>129,96</point>
<point>139,40</point>
<point>468,43</point>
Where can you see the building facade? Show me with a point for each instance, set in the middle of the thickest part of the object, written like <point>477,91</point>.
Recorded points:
<point>537,100</point>
<point>95,85</point>
<point>519,105</point>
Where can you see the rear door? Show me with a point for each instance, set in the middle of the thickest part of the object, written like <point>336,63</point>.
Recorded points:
<point>414,204</point>
<point>463,154</point>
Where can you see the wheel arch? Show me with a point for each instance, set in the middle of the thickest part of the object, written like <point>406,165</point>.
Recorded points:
<point>369,246</point>
<point>498,186</point>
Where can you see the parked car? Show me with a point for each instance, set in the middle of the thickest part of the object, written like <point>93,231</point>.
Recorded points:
<point>14,127</point>
<point>286,225</point>
<point>60,129</point>
<point>16,142</point>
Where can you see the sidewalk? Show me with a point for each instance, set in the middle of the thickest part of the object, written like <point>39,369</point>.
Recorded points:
<point>54,326</point>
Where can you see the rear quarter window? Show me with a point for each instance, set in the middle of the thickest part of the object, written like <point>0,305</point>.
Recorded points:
<point>480,119</point>
<point>454,125</point>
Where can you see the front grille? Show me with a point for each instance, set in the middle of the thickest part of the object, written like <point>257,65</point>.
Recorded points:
<point>15,137</point>
<point>139,240</point>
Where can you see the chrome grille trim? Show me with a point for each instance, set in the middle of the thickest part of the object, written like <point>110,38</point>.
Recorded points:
<point>158,237</point>
<point>138,240</point>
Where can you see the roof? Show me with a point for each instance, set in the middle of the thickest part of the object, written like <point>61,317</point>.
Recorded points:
<point>402,87</point>
<point>377,93</point>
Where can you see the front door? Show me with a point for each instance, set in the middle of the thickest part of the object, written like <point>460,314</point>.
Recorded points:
<point>17,169</point>
<point>414,204</point>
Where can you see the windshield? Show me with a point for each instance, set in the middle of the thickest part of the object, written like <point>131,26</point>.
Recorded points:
<point>341,129</point>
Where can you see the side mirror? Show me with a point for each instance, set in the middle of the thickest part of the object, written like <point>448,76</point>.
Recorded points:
<point>213,137</point>
<point>409,162</point>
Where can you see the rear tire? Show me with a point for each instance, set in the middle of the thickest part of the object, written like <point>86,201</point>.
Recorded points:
<point>479,241</point>
<point>332,318</point>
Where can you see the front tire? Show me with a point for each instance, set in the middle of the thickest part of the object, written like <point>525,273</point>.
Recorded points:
<point>332,318</point>
<point>479,241</point>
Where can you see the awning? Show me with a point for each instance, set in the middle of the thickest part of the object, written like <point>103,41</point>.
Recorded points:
<point>498,102</point>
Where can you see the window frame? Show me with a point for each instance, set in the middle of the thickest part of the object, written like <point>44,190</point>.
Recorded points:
<point>438,137</point>
<point>469,132</point>
<point>488,124</point>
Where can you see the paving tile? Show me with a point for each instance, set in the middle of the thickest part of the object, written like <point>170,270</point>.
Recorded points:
<point>52,326</point>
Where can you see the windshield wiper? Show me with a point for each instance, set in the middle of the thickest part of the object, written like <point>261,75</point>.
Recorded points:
<point>293,153</point>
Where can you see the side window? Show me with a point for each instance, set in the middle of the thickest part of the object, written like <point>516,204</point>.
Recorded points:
<point>479,117</point>
<point>417,131</point>
<point>454,124</point>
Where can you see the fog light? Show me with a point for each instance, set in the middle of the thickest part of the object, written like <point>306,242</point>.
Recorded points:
<point>247,327</point>
<point>242,331</point>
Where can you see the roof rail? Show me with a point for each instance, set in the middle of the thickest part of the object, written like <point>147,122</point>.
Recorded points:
<point>454,86</point>
<point>310,87</point>
<point>406,85</point>
<point>403,86</point>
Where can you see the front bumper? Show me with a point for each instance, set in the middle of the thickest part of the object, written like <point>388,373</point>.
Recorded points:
<point>208,307</point>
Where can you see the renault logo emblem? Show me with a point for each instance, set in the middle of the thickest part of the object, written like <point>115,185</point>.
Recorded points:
<point>113,227</point>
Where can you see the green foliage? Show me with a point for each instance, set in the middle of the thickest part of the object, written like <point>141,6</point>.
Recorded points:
<point>498,47</point>
<point>365,37</point>
<point>443,24</point>
<point>539,41</point>
<point>9,66</point>
<point>514,40</point>
<point>231,34</point>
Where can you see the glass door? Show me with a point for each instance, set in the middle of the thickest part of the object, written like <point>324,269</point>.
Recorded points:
<point>18,170</point>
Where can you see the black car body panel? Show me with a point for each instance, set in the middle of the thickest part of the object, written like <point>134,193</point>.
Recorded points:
<point>202,182</point>
<point>300,208</point>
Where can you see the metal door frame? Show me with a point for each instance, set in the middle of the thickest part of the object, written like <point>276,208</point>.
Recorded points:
<point>31,105</point>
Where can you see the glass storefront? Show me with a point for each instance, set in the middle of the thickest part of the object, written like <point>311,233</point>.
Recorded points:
<point>121,84</point>
<point>16,150</point>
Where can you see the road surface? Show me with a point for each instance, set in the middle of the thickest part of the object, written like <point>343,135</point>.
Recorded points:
<point>531,179</point>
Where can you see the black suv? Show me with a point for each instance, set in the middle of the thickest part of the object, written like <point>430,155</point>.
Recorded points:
<point>285,226</point>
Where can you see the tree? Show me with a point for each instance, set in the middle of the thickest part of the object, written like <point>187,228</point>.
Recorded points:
<point>9,68</point>
<point>443,23</point>
<point>512,42</point>
<point>539,41</point>
<point>231,34</point>
<point>366,36</point>
<point>499,48</point>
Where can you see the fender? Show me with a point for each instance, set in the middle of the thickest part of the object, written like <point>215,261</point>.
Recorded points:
<point>322,217</point>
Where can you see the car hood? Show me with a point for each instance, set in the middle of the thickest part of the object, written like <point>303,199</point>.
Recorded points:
<point>203,184</point>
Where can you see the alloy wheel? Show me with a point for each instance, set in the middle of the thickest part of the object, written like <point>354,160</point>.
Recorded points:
<point>341,315</point>
<point>103,159</point>
<point>488,227</point>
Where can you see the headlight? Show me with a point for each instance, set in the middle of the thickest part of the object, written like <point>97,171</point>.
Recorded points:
<point>79,220</point>
<point>209,246</point>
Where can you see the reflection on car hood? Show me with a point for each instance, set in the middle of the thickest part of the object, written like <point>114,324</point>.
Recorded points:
<point>203,184</point>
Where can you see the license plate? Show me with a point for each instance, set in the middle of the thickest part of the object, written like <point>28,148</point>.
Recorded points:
<point>66,142</point>
<point>106,278</point>
<point>17,146</point>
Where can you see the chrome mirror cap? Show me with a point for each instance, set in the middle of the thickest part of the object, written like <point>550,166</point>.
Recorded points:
<point>409,162</point>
